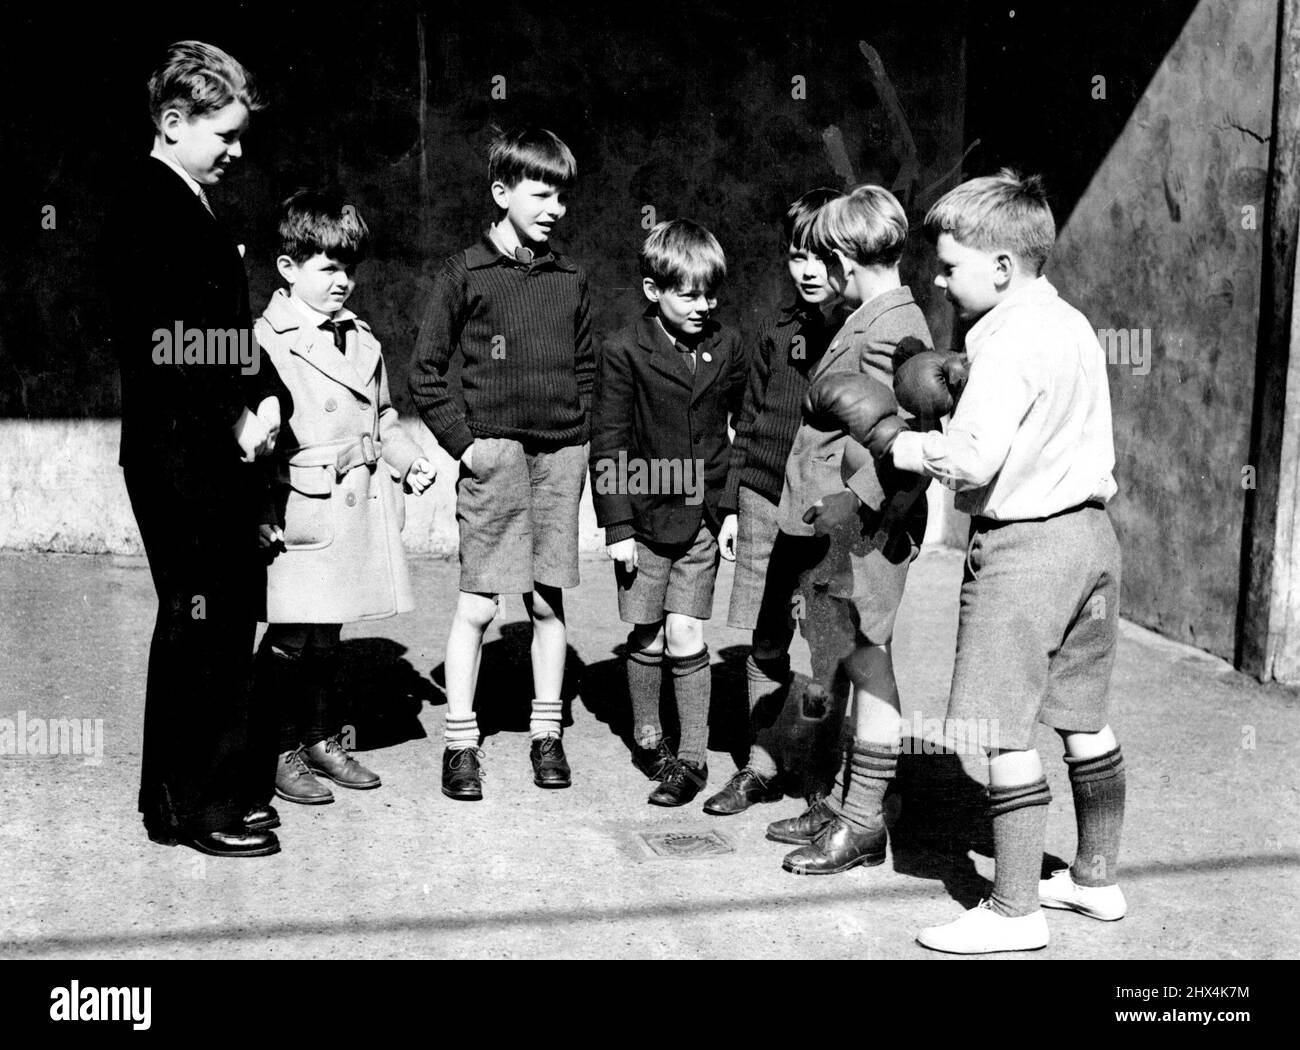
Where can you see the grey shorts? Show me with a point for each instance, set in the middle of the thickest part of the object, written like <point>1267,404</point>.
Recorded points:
<point>1038,628</point>
<point>518,517</point>
<point>755,537</point>
<point>669,580</point>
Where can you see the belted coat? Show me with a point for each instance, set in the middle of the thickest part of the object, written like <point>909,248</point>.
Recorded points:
<point>342,460</point>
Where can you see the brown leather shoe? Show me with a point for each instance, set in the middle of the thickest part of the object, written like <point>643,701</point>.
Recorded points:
<point>294,781</point>
<point>838,847</point>
<point>800,830</point>
<point>333,761</point>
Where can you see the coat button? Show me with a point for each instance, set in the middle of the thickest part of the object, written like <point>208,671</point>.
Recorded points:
<point>351,500</point>
<point>331,405</point>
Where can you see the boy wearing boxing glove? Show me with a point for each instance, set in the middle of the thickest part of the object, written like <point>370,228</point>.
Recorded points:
<point>1030,454</point>
<point>848,551</point>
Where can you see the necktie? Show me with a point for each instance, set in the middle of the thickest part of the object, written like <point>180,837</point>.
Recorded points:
<point>339,330</point>
<point>203,199</point>
<point>687,354</point>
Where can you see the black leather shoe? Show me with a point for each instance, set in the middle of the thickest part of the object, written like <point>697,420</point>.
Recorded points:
<point>462,774</point>
<point>262,818</point>
<point>800,830</point>
<point>550,768</point>
<point>655,761</point>
<point>838,847</point>
<point>681,783</point>
<point>740,792</point>
<point>236,842</point>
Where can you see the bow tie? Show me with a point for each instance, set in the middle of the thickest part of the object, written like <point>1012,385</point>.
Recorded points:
<point>339,330</point>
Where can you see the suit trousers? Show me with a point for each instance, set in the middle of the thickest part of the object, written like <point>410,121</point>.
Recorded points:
<point>203,763</point>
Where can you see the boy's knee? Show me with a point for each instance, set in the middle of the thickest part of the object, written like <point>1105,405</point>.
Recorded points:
<point>546,604</point>
<point>647,638</point>
<point>684,634</point>
<point>478,610</point>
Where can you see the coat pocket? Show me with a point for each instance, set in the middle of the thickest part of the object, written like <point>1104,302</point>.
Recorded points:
<point>308,517</point>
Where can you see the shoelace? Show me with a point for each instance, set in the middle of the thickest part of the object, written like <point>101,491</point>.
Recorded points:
<point>297,764</point>
<point>456,762</point>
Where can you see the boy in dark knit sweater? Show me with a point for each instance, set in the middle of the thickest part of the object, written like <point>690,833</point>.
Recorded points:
<point>789,346</point>
<point>502,375</point>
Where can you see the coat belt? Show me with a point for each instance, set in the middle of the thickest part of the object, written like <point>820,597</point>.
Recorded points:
<point>343,456</point>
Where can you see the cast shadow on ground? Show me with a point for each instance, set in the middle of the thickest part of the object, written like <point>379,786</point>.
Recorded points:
<point>503,701</point>
<point>382,693</point>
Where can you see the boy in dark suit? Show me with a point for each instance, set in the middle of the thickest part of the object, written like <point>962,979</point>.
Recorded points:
<point>659,458</point>
<point>198,406</point>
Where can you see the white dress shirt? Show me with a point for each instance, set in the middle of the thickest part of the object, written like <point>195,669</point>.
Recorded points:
<point>1031,435</point>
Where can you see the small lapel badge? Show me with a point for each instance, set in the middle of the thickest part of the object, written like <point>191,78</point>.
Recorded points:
<point>241,250</point>
<point>707,356</point>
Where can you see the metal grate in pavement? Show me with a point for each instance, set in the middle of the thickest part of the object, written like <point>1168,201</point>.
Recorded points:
<point>685,845</point>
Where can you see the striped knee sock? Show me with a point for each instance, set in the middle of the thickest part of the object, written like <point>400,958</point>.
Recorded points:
<point>546,718</point>
<point>860,786</point>
<point>644,680</point>
<point>692,686</point>
<point>1019,827</point>
<point>767,682</point>
<point>462,732</point>
<point>1098,787</point>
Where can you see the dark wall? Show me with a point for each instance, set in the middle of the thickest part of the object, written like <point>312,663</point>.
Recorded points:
<point>1153,186</point>
<point>688,111</point>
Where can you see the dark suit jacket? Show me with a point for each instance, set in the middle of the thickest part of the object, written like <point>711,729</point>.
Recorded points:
<point>648,406</point>
<point>168,261</point>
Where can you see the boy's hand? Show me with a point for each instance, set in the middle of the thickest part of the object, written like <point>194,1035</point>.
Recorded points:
<point>623,552</point>
<point>421,476</point>
<point>269,535</point>
<point>829,513</point>
<point>467,457</point>
<point>252,435</point>
<point>269,413</point>
<point>727,537</point>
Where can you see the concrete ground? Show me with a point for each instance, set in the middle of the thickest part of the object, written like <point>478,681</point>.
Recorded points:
<point>1210,864</point>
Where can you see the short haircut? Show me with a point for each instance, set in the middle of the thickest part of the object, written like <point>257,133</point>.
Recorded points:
<point>196,79</point>
<point>680,253</point>
<point>868,225</point>
<point>319,222</point>
<point>799,217</point>
<point>530,153</point>
<point>997,211</point>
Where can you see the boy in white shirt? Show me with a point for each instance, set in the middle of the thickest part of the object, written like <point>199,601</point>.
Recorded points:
<point>1029,452</point>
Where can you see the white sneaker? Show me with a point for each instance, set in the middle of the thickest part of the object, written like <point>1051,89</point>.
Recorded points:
<point>1100,902</point>
<point>983,930</point>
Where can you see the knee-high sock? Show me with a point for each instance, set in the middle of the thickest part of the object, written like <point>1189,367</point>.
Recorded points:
<point>767,682</point>
<point>645,678</point>
<point>1098,787</point>
<point>691,686</point>
<point>1019,827</point>
<point>324,717</point>
<point>860,785</point>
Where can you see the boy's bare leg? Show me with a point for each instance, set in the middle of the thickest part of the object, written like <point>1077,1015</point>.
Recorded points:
<point>464,653</point>
<point>548,651</point>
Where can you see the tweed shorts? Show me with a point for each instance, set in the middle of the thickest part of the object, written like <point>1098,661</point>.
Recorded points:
<point>1039,624</point>
<point>517,513</point>
<point>669,580</point>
